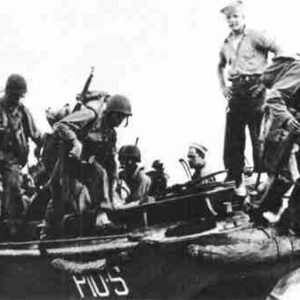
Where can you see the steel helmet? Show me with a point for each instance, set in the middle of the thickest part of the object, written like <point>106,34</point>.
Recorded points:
<point>130,151</point>
<point>118,103</point>
<point>157,165</point>
<point>16,83</point>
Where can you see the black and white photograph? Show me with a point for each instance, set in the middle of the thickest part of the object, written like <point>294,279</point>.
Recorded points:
<point>149,149</point>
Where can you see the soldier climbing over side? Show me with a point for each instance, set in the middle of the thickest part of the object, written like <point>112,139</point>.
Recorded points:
<point>282,78</point>
<point>16,127</point>
<point>88,150</point>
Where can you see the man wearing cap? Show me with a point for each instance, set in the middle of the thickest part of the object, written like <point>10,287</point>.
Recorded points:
<point>16,127</point>
<point>196,159</point>
<point>244,54</point>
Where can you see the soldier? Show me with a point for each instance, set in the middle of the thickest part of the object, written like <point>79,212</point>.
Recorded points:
<point>159,179</point>
<point>282,78</point>
<point>88,134</point>
<point>245,53</point>
<point>196,159</point>
<point>49,154</point>
<point>133,175</point>
<point>16,127</point>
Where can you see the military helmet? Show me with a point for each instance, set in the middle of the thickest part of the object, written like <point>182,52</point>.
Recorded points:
<point>130,151</point>
<point>118,103</point>
<point>16,83</point>
<point>157,164</point>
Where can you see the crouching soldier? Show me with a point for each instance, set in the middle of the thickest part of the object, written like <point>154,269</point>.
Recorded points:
<point>133,175</point>
<point>87,153</point>
<point>16,127</point>
<point>282,78</point>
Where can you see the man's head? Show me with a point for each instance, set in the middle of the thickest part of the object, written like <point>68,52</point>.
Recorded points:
<point>196,156</point>
<point>129,156</point>
<point>15,88</point>
<point>118,108</point>
<point>234,14</point>
<point>158,165</point>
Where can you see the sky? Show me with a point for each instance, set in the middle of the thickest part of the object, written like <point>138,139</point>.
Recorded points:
<point>162,54</point>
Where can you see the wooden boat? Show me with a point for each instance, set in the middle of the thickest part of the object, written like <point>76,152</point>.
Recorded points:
<point>171,249</point>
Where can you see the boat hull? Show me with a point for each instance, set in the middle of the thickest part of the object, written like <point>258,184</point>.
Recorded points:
<point>143,266</point>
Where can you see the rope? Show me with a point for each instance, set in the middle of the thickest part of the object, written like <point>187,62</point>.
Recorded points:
<point>75,267</point>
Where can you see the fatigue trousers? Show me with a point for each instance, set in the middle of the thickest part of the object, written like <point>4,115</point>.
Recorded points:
<point>66,187</point>
<point>244,111</point>
<point>294,205</point>
<point>12,181</point>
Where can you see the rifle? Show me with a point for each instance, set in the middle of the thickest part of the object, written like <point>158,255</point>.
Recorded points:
<point>82,96</point>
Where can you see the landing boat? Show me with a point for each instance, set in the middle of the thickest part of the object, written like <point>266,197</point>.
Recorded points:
<point>190,243</point>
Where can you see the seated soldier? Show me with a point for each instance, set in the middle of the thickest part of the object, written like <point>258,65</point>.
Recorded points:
<point>133,175</point>
<point>196,159</point>
<point>159,179</point>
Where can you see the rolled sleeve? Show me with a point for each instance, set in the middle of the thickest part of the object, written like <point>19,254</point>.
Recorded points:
<point>269,42</point>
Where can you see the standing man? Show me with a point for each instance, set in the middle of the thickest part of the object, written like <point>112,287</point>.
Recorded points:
<point>16,127</point>
<point>245,54</point>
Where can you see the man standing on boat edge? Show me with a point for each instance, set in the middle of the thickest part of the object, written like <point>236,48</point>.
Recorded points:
<point>245,53</point>
<point>16,127</point>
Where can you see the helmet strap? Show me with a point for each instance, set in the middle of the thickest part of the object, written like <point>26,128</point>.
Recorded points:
<point>126,122</point>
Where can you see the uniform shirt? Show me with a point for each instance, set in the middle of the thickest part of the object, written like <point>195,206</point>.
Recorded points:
<point>202,172</point>
<point>251,54</point>
<point>101,141</point>
<point>138,184</point>
<point>282,77</point>
<point>98,139</point>
<point>159,181</point>
<point>76,125</point>
<point>16,127</point>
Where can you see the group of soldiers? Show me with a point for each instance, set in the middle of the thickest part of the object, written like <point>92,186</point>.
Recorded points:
<point>78,163</point>
<point>80,166</point>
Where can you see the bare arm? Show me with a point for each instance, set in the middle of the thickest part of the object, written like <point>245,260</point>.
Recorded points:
<point>221,77</point>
